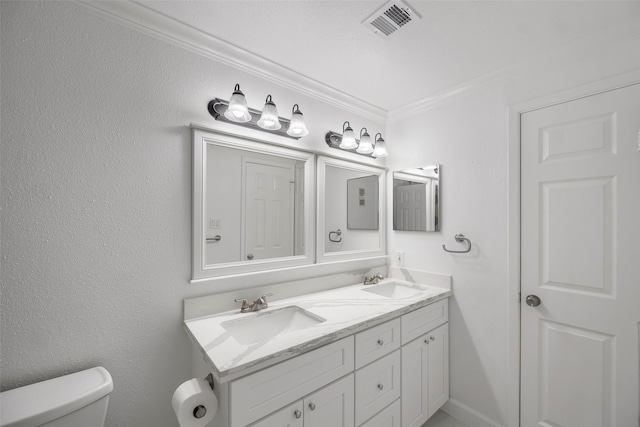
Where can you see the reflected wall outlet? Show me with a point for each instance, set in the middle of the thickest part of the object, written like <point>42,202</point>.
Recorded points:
<point>400,259</point>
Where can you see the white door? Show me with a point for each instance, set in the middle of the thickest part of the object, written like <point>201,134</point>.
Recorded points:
<point>581,259</point>
<point>410,206</point>
<point>268,210</point>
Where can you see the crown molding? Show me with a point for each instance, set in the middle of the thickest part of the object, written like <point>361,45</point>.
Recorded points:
<point>565,52</point>
<point>140,18</point>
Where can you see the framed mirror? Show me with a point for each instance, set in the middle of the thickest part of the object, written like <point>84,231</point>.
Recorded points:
<point>350,210</point>
<point>416,199</point>
<point>253,205</point>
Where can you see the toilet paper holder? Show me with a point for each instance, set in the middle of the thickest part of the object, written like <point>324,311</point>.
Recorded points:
<point>209,379</point>
<point>200,411</point>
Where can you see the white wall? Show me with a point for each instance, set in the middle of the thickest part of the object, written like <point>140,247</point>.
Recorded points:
<point>96,199</point>
<point>469,135</point>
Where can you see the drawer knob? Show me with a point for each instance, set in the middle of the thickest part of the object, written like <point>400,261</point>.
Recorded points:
<point>426,341</point>
<point>433,338</point>
<point>380,342</point>
<point>297,413</point>
<point>312,406</point>
<point>380,386</point>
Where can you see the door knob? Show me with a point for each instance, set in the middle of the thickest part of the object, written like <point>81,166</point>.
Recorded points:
<point>250,256</point>
<point>532,301</point>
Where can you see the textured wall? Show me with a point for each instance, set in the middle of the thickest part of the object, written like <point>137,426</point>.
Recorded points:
<point>96,199</point>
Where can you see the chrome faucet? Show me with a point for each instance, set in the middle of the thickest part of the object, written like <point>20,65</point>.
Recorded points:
<point>257,305</point>
<point>373,279</point>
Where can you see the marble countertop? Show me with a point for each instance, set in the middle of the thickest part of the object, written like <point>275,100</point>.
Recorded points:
<point>346,311</point>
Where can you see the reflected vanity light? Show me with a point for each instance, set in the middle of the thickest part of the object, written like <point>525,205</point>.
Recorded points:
<point>364,146</point>
<point>235,111</point>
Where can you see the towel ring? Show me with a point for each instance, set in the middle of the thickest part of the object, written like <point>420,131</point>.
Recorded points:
<point>459,238</point>
<point>338,232</point>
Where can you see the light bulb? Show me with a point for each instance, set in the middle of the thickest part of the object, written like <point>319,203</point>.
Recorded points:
<point>237,110</point>
<point>297,128</point>
<point>269,118</point>
<point>380,149</point>
<point>365,146</point>
<point>348,141</point>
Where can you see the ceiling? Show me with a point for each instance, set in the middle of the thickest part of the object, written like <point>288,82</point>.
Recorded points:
<point>453,43</point>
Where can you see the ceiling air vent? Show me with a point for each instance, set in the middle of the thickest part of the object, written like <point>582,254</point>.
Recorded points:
<point>390,18</point>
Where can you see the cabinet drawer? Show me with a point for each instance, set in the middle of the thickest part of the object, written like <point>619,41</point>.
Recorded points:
<point>388,417</point>
<point>263,392</point>
<point>377,385</point>
<point>424,319</point>
<point>291,416</point>
<point>376,342</point>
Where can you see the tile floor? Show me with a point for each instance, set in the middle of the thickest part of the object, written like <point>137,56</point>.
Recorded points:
<point>442,419</point>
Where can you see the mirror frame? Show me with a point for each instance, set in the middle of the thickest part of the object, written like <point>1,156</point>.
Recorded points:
<point>201,139</point>
<point>321,255</point>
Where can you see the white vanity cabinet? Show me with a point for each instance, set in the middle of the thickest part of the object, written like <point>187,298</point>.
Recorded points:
<point>425,363</point>
<point>394,374</point>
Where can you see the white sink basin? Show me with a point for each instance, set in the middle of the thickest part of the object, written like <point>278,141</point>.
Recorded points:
<point>394,290</point>
<point>269,324</point>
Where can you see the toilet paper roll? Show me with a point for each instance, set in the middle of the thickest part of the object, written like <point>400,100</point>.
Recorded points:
<point>194,403</point>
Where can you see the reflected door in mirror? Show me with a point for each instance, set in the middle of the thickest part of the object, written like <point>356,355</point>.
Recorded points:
<point>268,210</point>
<point>252,205</point>
<point>416,199</point>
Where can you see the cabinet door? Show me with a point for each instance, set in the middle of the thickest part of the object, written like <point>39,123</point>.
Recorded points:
<point>438,368</point>
<point>291,416</point>
<point>415,382</point>
<point>331,406</point>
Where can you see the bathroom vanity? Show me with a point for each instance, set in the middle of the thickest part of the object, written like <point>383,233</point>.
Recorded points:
<point>372,356</point>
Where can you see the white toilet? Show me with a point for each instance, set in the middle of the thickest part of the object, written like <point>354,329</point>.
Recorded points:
<point>74,400</point>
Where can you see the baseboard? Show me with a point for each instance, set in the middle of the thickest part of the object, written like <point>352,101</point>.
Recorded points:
<point>467,415</point>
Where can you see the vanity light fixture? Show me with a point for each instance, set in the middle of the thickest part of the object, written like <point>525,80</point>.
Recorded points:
<point>297,128</point>
<point>365,146</point>
<point>348,137</point>
<point>269,118</point>
<point>235,111</point>
<point>380,147</point>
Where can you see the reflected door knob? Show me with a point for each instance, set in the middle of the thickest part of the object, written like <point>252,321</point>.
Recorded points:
<point>532,301</point>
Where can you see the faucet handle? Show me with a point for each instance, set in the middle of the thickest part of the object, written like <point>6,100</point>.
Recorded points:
<point>263,299</point>
<point>245,303</point>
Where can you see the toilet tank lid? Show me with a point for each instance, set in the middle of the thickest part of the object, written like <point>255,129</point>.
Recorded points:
<point>38,403</point>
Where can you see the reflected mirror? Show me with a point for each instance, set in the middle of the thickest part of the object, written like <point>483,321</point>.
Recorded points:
<point>253,208</point>
<point>416,199</point>
<point>350,210</point>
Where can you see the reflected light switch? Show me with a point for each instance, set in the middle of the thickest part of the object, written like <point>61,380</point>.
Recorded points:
<point>214,224</point>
